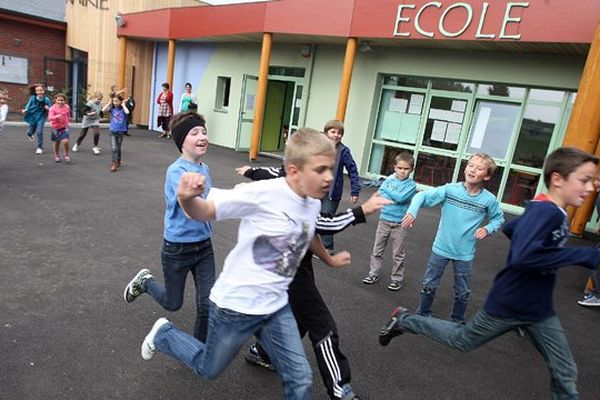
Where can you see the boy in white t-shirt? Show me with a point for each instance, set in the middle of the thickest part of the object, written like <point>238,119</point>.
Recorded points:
<point>250,297</point>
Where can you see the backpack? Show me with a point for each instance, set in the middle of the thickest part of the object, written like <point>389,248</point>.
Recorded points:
<point>130,104</point>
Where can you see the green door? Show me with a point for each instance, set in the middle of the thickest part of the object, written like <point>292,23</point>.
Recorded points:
<point>273,118</point>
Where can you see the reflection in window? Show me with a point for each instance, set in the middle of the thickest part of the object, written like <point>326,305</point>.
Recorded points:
<point>492,128</point>
<point>454,86</point>
<point>520,188</point>
<point>444,123</point>
<point>434,170</point>
<point>493,185</point>
<point>409,81</point>
<point>537,126</point>
<point>499,89</point>
<point>546,95</point>
<point>382,159</point>
<point>297,103</point>
<point>399,116</point>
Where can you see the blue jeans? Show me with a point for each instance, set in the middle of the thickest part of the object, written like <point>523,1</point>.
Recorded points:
<point>547,336</point>
<point>330,207</point>
<point>228,331</point>
<point>179,259</point>
<point>37,128</point>
<point>462,286</point>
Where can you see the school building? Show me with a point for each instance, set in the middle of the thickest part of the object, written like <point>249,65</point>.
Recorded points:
<point>440,79</point>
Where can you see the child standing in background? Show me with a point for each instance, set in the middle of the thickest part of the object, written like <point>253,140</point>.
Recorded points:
<point>59,116</point>
<point>334,130</point>
<point>118,126</point>
<point>465,205</point>
<point>91,119</point>
<point>399,188</point>
<point>35,113</point>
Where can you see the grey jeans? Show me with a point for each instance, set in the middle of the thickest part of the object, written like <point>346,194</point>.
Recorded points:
<point>389,230</point>
<point>547,336</point>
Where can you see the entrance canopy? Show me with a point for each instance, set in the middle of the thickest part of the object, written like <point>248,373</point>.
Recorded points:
<point>481,24</point>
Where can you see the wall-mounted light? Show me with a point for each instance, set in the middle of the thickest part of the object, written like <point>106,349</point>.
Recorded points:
<point>305,50</point>
<point>365,47</point>
<point>120,20</point>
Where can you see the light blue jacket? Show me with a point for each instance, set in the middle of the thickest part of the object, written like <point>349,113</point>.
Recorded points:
<point>401,193</point>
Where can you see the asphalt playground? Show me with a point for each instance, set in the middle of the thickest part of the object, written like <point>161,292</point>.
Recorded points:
<point>72,235</point>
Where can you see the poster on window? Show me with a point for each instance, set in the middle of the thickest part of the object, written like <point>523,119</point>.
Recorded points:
<point>13,69</point>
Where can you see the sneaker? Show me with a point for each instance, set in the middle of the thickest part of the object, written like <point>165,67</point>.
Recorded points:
<point>135,287</point>
<point>148,348</point>
<point>38,151</point>
<point>589,301</point>
<point>96,150</point>
<point>67,159</point>
<point>370,279</point>
<point>391,328</point>
<point>30,137</point>
<point>395,285</point>
<point>57,159</point>
<point>162,135</point>
<point>253,357</point>
<point>348,393</point>
<point>75,148</point>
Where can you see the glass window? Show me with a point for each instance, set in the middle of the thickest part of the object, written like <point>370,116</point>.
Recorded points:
<point>409,81</point>
<point>286,71</point>
<point>546,95</point>
<point>297,104</point>
<point>222,95</point>
<point>445,122</point>
<point>399,116</point>
<point>455,86</point>
<point>433,169</point>
<point>537,126</point>
<point>493,185</point>
<point>520,188</point>
<point>492,128</point>
<point>382,159</point>
<point>499,89</point>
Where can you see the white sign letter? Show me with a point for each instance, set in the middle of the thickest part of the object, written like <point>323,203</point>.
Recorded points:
<point>479,34</point>
<point>508,18</point>
<point>400,19</point>
<point>467,22</point>
<point>417,25</point>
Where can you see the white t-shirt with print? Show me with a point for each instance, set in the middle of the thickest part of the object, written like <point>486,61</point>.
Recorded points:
<point>275,231</point>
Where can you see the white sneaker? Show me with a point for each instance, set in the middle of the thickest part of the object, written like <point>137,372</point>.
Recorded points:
<point>75,148</point>
<point>38,151</point>
<point>96,150</point>
<point>589,301</point>
<point>148,348</point>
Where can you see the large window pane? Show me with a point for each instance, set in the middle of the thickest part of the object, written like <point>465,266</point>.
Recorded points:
<point>444,124</point>
<point>535,134</point>
<point>499,89</point>
<point>399,116</point>
<point>546,95</point>
<point>492,128</point>
<point>434,170</point>
<point>520,188</point>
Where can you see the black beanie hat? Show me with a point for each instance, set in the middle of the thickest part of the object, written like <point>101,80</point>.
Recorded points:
<point>180,131</point>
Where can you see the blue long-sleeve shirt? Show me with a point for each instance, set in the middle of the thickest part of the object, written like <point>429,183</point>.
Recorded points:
<point>524,288</point>
<point>461,215</point>
<point>400,192</point>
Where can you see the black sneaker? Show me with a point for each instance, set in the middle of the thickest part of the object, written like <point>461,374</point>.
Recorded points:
<point>391,328</point>
<point>135,287</point>
<point>254,357</point>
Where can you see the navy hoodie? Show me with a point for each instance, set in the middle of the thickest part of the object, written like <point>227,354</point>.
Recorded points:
<point>524,288</point>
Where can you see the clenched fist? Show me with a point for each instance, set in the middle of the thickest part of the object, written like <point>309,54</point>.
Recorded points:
<point>191,185</point>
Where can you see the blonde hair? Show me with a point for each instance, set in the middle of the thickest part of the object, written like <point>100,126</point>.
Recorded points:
<point>304,144</point>
<point>96,95</point>
<point>488,160</point>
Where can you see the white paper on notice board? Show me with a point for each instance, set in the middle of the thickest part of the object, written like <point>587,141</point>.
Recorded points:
<point>438,132</point>
<point>458,105</point>
<point>453,133</point>
<point>416,104</point>
<point>483,118</point>
<point>398,105</point>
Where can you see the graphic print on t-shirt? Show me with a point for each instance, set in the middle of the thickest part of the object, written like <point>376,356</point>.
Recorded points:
<point>281,254</point>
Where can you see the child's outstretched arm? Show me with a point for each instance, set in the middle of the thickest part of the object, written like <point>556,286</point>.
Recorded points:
<point>428,198</point>
<point>191,186</point>
<point>338,260</point>
<point>402,195</point>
